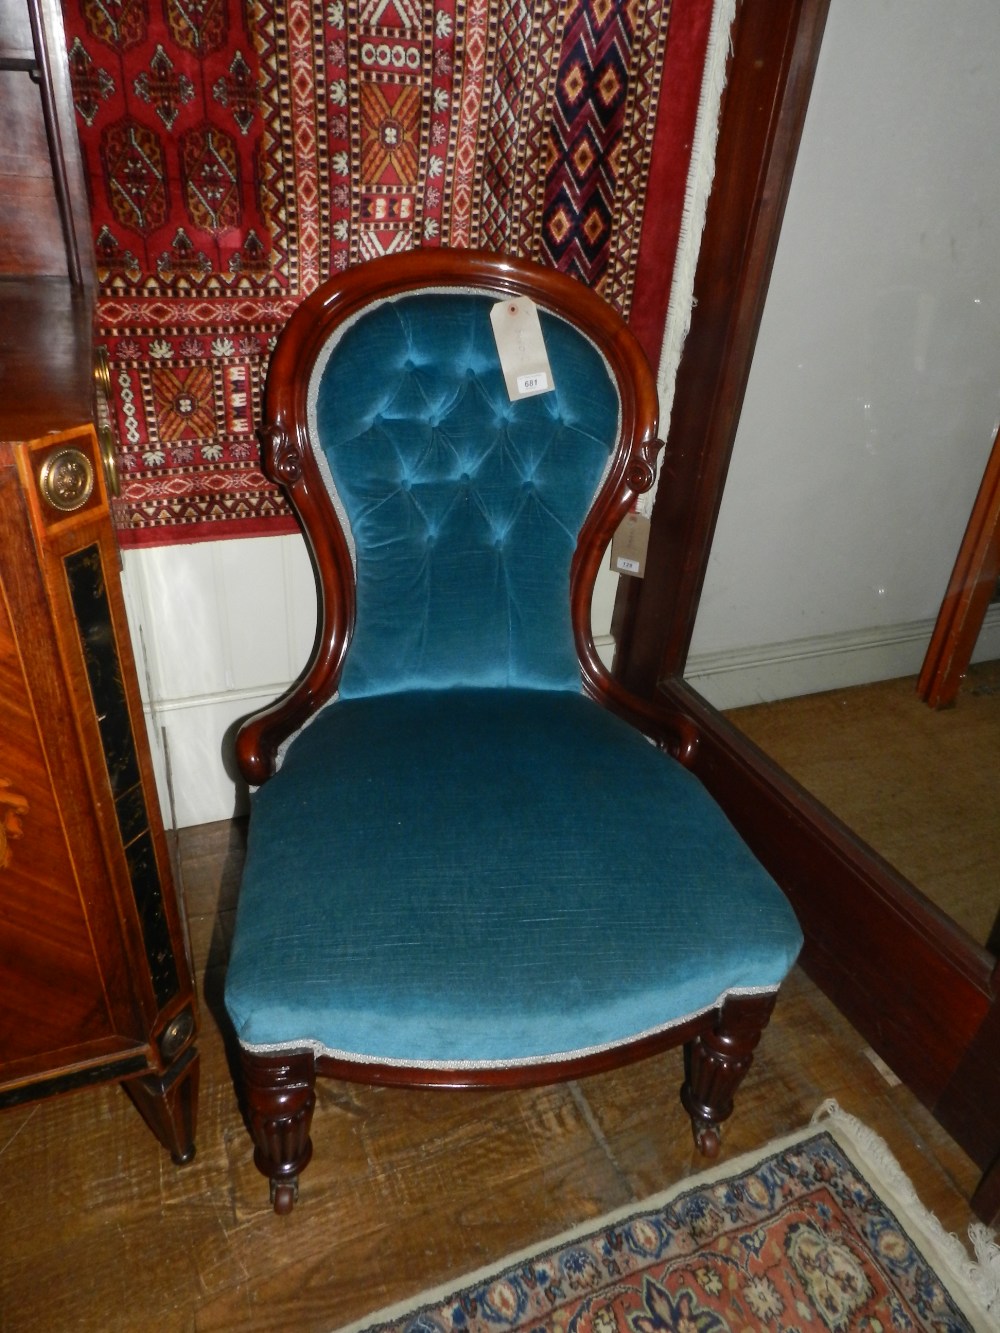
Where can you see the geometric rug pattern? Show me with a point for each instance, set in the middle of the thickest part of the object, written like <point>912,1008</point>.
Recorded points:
<point>239,154</point>
<point>819,1234</point>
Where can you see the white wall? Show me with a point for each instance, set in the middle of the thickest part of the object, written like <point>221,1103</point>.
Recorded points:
<point>222,628</point>
<point>875,389</point>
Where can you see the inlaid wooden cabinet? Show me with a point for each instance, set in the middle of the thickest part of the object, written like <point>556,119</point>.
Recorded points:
<point>95,980</point>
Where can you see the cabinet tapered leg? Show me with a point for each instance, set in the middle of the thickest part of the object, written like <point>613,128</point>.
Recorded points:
<point>168,1104</point>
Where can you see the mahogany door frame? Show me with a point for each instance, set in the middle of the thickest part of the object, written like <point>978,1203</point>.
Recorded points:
<point>917,987</point>
<point>970,590</point>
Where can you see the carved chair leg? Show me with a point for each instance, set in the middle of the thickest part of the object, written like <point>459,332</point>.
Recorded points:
<point>168,1104</point>
<point>716,1063</point>
<point>280,1095</point>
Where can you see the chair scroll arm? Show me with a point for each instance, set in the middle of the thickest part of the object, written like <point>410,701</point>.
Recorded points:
<point>287,462</point>
<point>261,735</point>
<point>667,728</point>
<point>670,730</point>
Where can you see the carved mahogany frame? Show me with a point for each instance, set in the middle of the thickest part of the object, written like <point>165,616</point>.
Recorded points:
<point>288,459</point>
<point>279,1088</point>
<point>920,990</point>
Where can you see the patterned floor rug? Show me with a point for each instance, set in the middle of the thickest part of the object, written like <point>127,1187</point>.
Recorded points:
<point>819,1233</point>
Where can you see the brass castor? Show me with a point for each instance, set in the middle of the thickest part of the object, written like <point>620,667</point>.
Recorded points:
<point>284,1195</point>
<point>707,1138</point>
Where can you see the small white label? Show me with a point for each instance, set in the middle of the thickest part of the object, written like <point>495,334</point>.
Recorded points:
<point>629,545</point>
<point>521,347</point>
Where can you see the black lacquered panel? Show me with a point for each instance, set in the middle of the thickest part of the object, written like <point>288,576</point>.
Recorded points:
<point>132,817</point>
<point>93,618</point>
<point>85,575</point>
<point>155,929</point>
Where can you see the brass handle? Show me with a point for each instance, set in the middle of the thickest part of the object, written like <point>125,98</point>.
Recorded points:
<point>106,442</point>
<point>67,479</point>
<point>10,820</point>
<point>105,432</point>
<point>102,372</point>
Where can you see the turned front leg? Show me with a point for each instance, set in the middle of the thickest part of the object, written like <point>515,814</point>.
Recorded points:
<point>717,1061</point>
<point>280,1094</point>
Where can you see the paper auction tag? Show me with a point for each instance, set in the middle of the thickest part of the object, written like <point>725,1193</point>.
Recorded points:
<point>521,348</point>
<point>629,545</point>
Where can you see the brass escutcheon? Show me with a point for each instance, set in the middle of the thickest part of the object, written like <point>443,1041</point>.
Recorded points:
<point>67,479</point>
<point>176,1034</point>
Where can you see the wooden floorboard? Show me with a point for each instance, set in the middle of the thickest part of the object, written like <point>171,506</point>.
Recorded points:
<point>920,786</point>
<point>407,1189</point>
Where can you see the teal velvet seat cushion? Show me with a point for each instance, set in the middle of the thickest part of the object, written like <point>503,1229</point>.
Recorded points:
<point>481,875</point>
<point>464,506</point>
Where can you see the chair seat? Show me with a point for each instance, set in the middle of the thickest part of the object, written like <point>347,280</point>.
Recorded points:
<point>407,900</point>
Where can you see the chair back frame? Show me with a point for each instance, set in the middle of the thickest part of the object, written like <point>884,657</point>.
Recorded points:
<point>289,460</point>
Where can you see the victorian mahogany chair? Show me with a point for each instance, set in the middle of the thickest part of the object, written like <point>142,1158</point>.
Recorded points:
<point>473,858</point>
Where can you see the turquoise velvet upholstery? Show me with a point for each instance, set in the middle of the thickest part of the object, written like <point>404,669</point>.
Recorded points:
<point>464,506</point>
<point>482,875</point>
<point>463,859</point>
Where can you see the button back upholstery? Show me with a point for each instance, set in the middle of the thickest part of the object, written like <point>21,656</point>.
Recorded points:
<point>440,884</point>
<point>465,506</point>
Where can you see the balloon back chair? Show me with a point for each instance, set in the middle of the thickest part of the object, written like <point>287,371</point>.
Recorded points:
<point>473,858</point>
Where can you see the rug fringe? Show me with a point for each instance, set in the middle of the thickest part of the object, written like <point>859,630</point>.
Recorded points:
<point>980,1275</point>
<point>984,1242</point>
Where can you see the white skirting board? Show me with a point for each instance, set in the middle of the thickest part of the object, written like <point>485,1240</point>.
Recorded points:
<point>742,676</point>
<point>192,741</point>
<point>193,737</point>
<point>221,628</point>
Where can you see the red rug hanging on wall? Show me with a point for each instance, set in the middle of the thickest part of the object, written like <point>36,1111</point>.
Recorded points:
<point>237,155</point>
